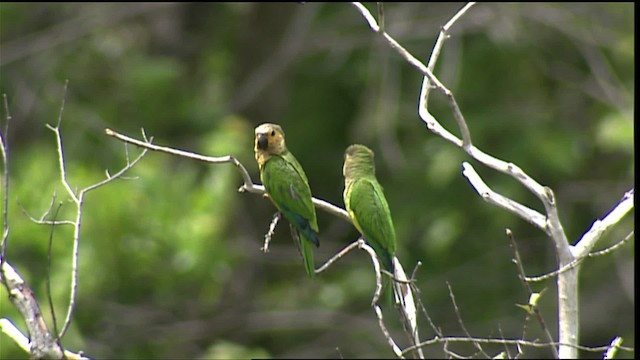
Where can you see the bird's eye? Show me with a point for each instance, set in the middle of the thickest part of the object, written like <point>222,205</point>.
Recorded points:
<point>273,133</point>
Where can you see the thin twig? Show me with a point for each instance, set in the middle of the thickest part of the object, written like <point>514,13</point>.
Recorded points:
<point>600,227</point>
<point>337,256</point>
<point>506,348</point>
<point>535,344</point>
<point>435,329</point>
<point>435,53</point>
<point>4,150</point>
<point>396,350</point>
<point>78,199</point>
<point>529,291</point>
<point>361,244</point>
<point>579,260</point>
<point>464,328</point>
<point>48,280</point>
<point>248,184</point>
<point>272,228</point>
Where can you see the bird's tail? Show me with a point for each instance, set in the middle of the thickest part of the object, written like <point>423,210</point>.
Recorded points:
<point>305,248</point>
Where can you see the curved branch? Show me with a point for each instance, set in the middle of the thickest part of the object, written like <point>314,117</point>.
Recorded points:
<point>490,196</point>
<point>248,184</point>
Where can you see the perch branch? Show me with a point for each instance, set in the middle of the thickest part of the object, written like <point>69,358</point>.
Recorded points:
<point>248,184</point>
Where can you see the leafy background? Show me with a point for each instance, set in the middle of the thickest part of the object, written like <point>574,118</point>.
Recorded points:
<point>170,263</point>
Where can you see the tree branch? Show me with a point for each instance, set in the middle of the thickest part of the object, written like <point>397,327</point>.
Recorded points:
<point>600,227</point>
<point>248,184</point>
<point>488,195</point>
<point>517,342</point>
<point>550,223</point>
<point>41,344</point>
<point>4,151</point>
<point>79,201</point>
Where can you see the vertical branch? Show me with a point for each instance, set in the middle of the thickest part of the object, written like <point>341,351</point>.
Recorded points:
<point>4,150</point>
<point>78,199</point>
<point>48,281</point>
<point>435,53</point>
<point>61,164</point>
<point>77,223</point>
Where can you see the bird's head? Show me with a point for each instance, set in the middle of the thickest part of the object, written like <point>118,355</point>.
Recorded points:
<point>269,140</point>
<point>358,159</point>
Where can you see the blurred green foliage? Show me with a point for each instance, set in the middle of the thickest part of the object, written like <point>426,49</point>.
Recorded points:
<point>170,260</point>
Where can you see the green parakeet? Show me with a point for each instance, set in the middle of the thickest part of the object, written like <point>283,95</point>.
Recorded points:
<point>366,204</point>
<point>287,187</point>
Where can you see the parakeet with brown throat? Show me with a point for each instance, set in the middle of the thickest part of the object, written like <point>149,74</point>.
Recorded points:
<point>288,188</point>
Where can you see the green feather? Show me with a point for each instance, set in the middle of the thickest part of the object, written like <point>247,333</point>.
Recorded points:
<point>288,187</point>
<point>367,205</point>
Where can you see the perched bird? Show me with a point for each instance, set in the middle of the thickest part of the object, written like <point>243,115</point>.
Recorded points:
<point>366,204</point>
<point>288,188</point>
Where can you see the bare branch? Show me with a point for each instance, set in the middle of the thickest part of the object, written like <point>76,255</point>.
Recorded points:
<point>462,326</point>
<point>376,267</point>
<point>272,228</point>
<point>435,329</point>
<point>61,164</point>
<point>78,199</point>
<point>42,344</point>
<point>248,183</point>
<point>579,260</point>
<point>15,334</point>
<point>517,342</point>
<point>337,256</point>
<point>48,280</point>
<point>444,35</point>
<point>490,196</point>
<point>401,50</point>
<point>405,303</point>
<point>567,281</point>
<point>7,327</point>
<point>361,244</point>
<point>599,227</point>
<point>4,151</point>
<point>394,347</point>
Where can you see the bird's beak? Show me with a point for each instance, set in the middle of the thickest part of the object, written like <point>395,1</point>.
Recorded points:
<point>263,142</point>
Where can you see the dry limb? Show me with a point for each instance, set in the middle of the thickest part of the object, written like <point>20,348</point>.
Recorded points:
<point>40,344</point>
<point>549,222</point>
